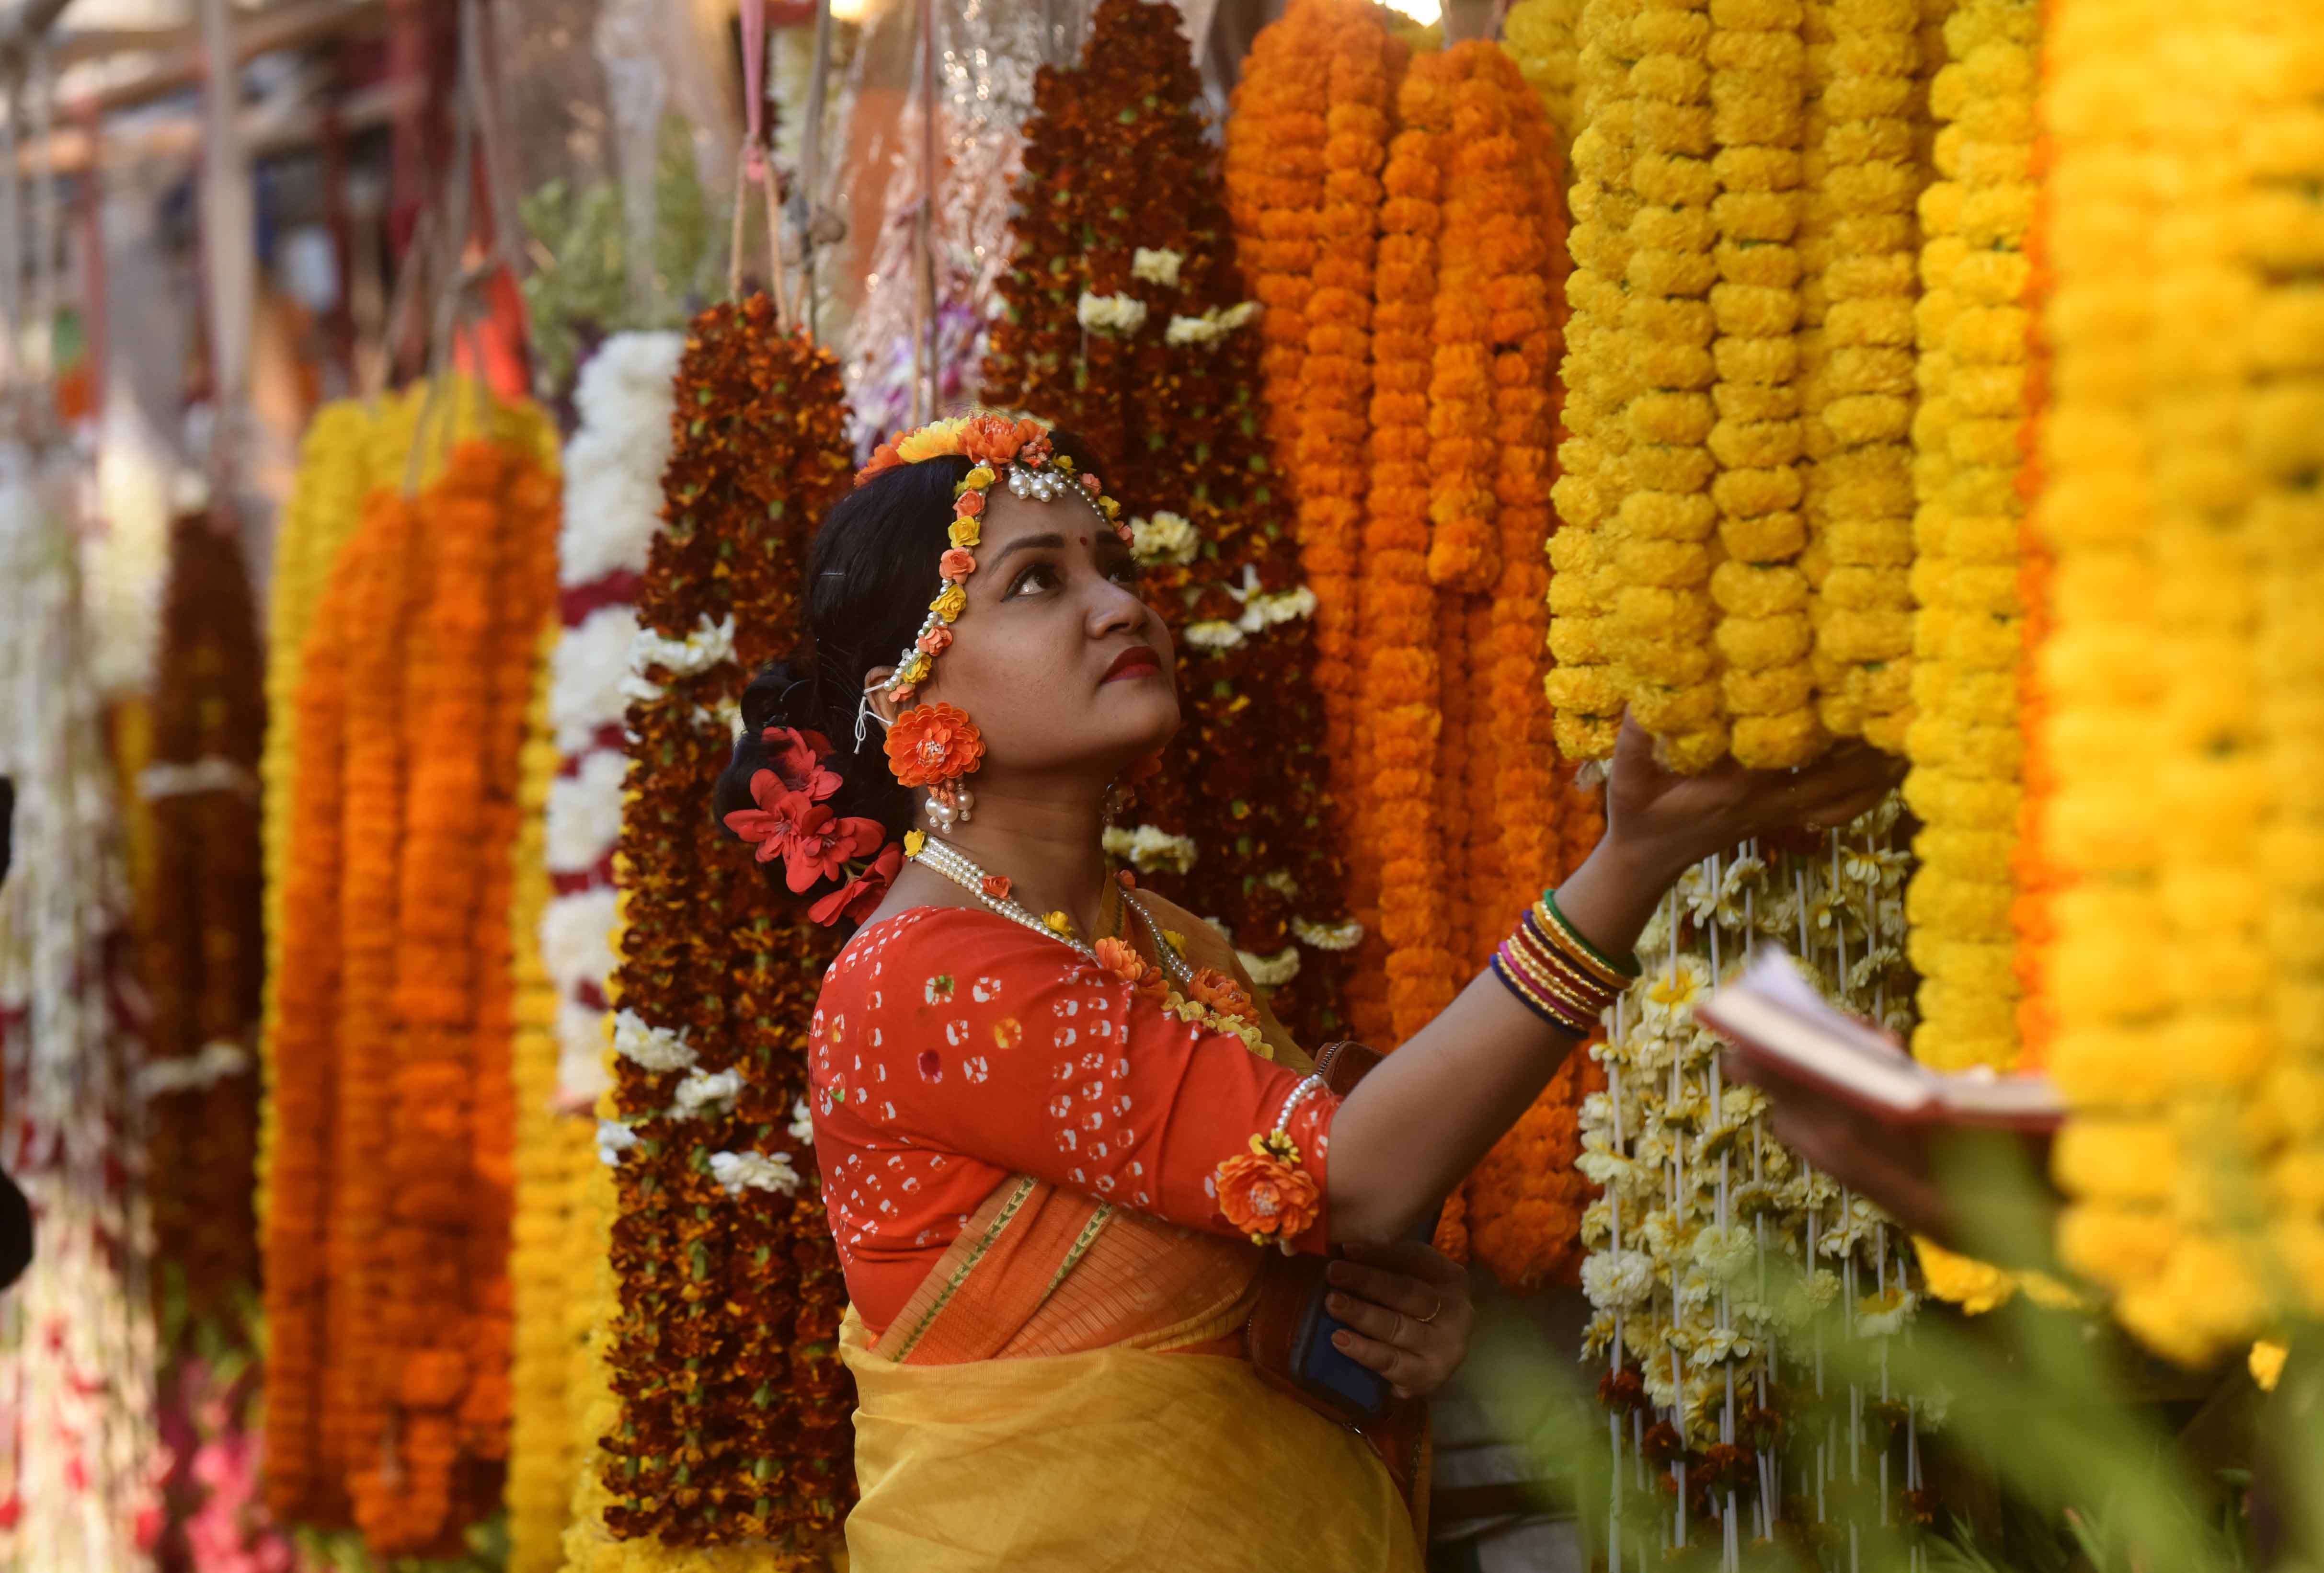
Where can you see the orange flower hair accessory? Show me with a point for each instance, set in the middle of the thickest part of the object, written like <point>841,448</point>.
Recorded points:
<point>1267,1195</point>
<point>997,443</point>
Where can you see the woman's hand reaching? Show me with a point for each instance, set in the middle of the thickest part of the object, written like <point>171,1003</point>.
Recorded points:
<point>1409,1306</point>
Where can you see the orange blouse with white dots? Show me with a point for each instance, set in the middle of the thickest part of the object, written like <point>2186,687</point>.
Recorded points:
<point>952,1050</point>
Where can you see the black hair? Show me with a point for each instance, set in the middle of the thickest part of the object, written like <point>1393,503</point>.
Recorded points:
<point>871,573</point>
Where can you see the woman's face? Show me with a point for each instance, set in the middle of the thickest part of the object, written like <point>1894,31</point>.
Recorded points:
<point>1060,664</point>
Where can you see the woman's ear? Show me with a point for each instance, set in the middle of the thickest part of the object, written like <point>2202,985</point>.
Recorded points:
<point>883,700</point>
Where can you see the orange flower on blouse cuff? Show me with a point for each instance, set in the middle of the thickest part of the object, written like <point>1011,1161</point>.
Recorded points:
<point>1120,957</point>
<point>933,743</point>
<point>1223,993</point>
<point>1265,1197</point>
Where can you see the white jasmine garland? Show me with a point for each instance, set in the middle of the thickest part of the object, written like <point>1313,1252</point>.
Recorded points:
<point>1211,327</point>
<point>1344,935</point>
<point>1164,538</point>
<point>1271,971</point>
<point>1617,1280</point>
<point>1157,267</point>
<point>583,823</point>
<point>655,1048</point>
<point>213,1063</point>
<point>735,1171</point>
<point>613,465</point>
<point>585,676</point>
<point>802,1121</point>
<point>576,943</point>
<point>704,1090</point>
<point>1119,316</point>
<point>1262,611</point>
<point>1150,848</point>
<point>581,1074</point>
<point>1213,635</point>
<point>614,1139</point>
<point>709,645</point>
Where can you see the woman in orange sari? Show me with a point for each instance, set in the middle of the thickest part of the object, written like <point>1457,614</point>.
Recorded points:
<point>1059,1137</point>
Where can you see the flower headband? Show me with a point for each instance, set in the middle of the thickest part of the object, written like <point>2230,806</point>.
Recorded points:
<point>1036,471</point>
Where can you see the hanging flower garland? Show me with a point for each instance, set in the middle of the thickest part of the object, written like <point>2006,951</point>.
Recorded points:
<point>1541,37</point>
<point>202,948</point>
<point>1273,166</point>
<point>1699,1199</point>
<point>1400,624</point>
<point>551,1260</point>
<point>1859,493</point>
<point>1764,633</point>
<point>733,1407</point>
<point>1599,375</point>
<point>482,584</point>
<point>1968,632</point>
<point>79,1458</point>
<point>1221,827</point>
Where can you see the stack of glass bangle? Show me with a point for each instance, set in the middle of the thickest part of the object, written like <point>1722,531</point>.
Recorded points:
<point>1556,974</point>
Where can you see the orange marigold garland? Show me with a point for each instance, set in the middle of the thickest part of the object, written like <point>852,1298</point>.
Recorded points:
<point>734,1406</point>
<point>379,567</point>
<point>486,582</point>
<point>1225,825</point>
<point>1273,166</point>
<point>1401,623</point>
<point>202,949</point>
<point>300,1487</point>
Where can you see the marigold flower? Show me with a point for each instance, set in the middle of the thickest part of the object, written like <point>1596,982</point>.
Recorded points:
<point>1222,993</point>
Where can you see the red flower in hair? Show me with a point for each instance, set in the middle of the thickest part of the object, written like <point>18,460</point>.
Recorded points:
<point>822,843</point>
<point>933,743</point>
<point>797,758</point>
<point>775,822</point>
<point>859,897</point>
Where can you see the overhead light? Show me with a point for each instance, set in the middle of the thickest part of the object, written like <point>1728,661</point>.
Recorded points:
<point>1424,12</point>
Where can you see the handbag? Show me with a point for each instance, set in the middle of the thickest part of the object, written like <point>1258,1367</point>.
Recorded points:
<point>1289,1338</point>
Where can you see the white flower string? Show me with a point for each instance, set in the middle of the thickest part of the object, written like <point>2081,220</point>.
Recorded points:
<point>1684,1309</point>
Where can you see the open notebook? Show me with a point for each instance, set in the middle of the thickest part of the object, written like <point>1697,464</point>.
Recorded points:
<point>1772,1016</point>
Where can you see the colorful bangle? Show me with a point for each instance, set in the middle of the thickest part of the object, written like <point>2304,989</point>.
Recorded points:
<point>1583,1001</point>
<point>1618,972</point>
<point>1532,1001</point>
<point>1545,959</point>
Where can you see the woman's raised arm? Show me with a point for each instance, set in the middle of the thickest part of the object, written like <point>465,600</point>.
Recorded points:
<point>1414,1127</point>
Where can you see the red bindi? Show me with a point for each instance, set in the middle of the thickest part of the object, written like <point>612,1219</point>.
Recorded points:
<point>1082,539</point>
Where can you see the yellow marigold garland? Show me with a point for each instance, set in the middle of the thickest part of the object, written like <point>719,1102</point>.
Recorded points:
<point>1973,369</point>
<point>1663,530</point>
<point>1599,375</point>
<point>1859,492</point>
<point>1759,64</point>
<point>551,1266</point>
<point>1400,615</point>
<point>1540,36</point>
<point>2179,446</point>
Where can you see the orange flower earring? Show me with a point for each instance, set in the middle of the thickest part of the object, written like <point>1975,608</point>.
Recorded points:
<point>938,746</point>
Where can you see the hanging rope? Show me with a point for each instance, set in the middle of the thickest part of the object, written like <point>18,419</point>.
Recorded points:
<point>756,166</point>
<point>810,202</point>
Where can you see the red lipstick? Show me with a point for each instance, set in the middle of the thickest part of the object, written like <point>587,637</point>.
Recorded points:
<point>1138,660</point>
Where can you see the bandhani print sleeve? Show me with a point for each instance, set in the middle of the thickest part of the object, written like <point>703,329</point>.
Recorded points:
<point>953,1048</point>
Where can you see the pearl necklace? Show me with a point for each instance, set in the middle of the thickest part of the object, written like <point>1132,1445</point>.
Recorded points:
<point>943,857</point>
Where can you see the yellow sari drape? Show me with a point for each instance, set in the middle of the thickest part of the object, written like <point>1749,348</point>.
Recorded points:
<point>1066,1393</point>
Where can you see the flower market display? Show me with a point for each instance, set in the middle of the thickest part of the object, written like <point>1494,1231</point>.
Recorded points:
<point>1125,324</point>
<point>78,1465</point>
<point>202,952</point>
<point>388,1210</point>
<point>732,1418</point>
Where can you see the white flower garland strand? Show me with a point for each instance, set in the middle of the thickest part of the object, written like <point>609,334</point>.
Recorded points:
<point>78,1451</point>
<point>613,510</point>
<point>1698,1197</point>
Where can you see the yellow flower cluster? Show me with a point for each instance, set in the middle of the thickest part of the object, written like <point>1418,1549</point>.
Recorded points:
<point>1733,567</point>
<point>551,1267</point>
<point>1594,457</point>
<point>2183,974</point>
<point>1762,633</point>
<point>352,447</point>
<point>1860,488</point>
<point>1973,334</point>
<point>1540,36</point>
<point>1661,533</point>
